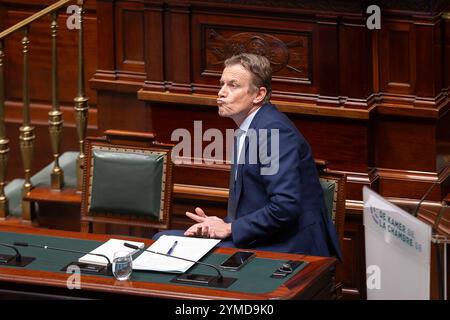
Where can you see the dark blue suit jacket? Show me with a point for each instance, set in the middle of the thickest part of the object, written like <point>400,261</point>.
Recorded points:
<point>285,211</point>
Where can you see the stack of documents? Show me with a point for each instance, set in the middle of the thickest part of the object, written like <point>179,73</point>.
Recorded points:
<point>108,249</point>
<point>185,247</point>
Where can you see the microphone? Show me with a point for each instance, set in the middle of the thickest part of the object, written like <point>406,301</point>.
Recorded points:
<point>91,268</point>
<point>6,259</point>
<point>220,281</point>
<point>416,210</point>
<point>219,274</point>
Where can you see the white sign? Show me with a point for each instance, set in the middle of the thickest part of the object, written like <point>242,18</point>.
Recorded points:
<point>399,245</point>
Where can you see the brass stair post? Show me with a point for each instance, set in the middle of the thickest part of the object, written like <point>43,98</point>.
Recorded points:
<point>26,136</point>
<point>4,147</point>
<point>81,102</point>
<point>55,115</point>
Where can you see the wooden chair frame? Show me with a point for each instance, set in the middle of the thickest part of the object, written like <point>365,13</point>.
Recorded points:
<point>338,213</point>
<point>126,141</point>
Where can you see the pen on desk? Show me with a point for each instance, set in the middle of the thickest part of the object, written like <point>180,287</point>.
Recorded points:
<point>172,247</point>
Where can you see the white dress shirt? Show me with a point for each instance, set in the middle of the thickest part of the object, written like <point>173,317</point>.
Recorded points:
<point>241,137</point>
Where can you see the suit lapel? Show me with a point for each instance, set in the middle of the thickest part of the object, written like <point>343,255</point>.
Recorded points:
<point>239,179</point>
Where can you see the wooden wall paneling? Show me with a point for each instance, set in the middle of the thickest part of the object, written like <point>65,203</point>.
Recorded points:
<point>122,110</point>
<point>443,143</point>
<point>439,57</point>
<point>446,39</point>
<point>178,35</point>
<point>355,61</point>
<point>50,217</point>
<point>204,175</point>
<point>404,184</point>
<point>356,182</point>
<point>328,60</point>
<point>428,64</point>
<point>130,40</point>
<point>167,42</point>
<point>405,144</point>
<point>411,154</point>
<point>342,143</point>
<point>119,69</point>
<point>106,66</point>
<point>398,58</point>
<point>154,46</point>
<point>2,16</point>
<point>40,59</point>
<point>41,4</point>
<point>103,228</point>
<point>293,48</point>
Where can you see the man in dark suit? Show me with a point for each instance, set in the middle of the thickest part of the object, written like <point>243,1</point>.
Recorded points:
<point>276,202</point>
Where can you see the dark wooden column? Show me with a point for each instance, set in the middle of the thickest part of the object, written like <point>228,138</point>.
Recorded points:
<point>154,46</point>
<point>328,39</point>
<point>106,42</point>
<point>178,47</point>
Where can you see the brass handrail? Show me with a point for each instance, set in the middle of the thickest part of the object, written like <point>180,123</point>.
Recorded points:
<point>34,17</point>
<point>27,136</point>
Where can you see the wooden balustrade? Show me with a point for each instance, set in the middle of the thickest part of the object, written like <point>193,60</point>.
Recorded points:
<point>27,131</point>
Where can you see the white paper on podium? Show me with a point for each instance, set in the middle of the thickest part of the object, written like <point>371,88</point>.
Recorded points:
<point>398,245</point>
<point>108,249</point>
<point>187,247</point>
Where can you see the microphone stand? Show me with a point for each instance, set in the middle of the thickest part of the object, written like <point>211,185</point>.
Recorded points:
<point>90,268</point>
<point>416,210</point>
<point>218,281</point>
<point>16,260</point>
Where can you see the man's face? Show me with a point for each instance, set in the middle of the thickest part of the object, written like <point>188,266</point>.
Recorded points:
<point>237,95</point>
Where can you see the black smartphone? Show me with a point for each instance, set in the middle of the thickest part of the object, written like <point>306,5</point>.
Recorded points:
<point>237,260</point>
<point>194,279</point>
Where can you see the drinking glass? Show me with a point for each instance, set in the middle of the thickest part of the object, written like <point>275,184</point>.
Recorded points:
<point>122,265</point>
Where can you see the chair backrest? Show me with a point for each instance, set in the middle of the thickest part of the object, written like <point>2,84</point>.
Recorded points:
<point>333,186</point>
<point>127,181</point>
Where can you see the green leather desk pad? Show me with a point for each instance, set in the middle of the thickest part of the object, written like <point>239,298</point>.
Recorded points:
<point>252,278</point>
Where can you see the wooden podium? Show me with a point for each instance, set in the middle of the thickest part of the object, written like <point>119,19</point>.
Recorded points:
<point>45,279</point>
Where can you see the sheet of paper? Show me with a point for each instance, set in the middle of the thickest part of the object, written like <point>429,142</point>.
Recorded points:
<point>186,247</point>
<point>108,249</point>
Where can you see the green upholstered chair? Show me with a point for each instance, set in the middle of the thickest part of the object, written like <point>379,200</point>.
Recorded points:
<point>333,186</point>
<point>127,181</point>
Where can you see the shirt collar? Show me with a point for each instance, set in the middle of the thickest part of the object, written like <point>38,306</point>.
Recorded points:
<point>246,123</point>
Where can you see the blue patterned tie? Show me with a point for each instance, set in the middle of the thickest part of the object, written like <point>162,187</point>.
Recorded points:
<point>233,174</point>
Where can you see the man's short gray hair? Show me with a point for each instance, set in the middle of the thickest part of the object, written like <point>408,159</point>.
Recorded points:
<point>259,67</point>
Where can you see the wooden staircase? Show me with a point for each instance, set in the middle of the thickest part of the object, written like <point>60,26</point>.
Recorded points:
<point>59,183</point>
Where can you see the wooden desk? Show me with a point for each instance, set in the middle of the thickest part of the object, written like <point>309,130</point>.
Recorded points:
<point>313,282</point>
